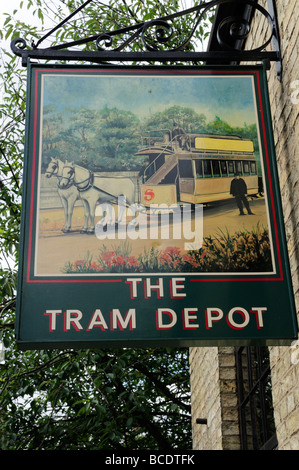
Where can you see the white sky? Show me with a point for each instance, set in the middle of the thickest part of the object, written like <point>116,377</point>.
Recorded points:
<point>24,15</point>
<point>8,6</point>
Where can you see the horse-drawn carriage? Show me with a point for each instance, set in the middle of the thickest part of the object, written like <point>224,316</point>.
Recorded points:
<point>196,170</point>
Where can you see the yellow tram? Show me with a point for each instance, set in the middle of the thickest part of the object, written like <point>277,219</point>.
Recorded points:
<point>198,169</point>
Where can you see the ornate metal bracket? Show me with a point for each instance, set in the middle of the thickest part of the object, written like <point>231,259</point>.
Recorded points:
<point>162,40</point>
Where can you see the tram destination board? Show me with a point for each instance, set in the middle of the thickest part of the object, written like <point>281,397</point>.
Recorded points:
<point>151,210</point>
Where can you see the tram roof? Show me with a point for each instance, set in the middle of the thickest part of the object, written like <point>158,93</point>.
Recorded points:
<point>206,143</point>
<point>223,144</point>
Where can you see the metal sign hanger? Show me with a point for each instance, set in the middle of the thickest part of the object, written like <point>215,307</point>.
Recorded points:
<point>162,42</point>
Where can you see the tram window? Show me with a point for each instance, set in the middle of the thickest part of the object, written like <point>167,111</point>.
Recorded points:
<point>238,167</point>
<point>216,168</point>
<point>253,168</point>
<point>207,168</point>
<point>223,168</point>
<point>231,169</point>
<point>198,169</point>
<point>185,167</point>
<point>246,168</point>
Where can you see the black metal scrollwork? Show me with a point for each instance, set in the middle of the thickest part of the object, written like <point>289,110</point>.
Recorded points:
<point>163,33</point>
<point>160,36</point>
<point>162,39</point>
<point>18,43</point>
<point>239,29</point>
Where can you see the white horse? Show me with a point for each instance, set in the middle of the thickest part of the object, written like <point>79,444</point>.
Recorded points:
<point>69,194</point>
<point>95,188</point>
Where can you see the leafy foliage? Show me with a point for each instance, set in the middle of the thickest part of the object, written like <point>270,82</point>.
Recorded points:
<point>108,139</point>
<point>94,399</point>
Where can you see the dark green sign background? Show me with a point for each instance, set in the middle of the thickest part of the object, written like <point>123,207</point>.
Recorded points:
<point>147,309</point>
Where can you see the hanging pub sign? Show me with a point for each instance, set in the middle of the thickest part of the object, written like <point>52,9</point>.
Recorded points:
<point>151,210</point>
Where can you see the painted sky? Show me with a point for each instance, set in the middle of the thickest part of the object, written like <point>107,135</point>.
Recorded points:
<point>229,97</point>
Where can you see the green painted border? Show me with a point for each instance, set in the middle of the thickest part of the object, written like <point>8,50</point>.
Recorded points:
<point>32,334</point>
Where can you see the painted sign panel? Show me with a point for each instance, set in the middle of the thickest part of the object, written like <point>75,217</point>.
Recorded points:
<point>151,210</point>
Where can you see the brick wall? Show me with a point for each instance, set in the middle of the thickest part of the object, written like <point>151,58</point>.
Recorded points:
<point>212,369</point>
<point>205,398</point>
<point>213,397</point>
<point>284,101</point>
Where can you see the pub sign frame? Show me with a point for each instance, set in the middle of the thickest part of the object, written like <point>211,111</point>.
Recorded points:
<point>127,288</point>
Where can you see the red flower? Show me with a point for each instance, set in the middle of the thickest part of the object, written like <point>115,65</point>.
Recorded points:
<point>78,264</point>
<point>132,261</point>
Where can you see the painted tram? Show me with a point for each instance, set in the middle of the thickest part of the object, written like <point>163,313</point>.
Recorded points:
<point>195,168</point>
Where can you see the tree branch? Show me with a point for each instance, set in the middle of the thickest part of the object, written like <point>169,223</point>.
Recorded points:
<point>162,387</point>
<point>11,169</point>
<point>7,325</point>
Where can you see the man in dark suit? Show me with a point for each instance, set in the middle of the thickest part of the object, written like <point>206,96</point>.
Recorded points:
<point>238,189</point>
<point>180,135</point>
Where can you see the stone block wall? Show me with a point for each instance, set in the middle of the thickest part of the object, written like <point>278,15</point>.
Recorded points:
<point>284,102</point>
<point>205,398</point>
<point>214,397</point>
<point>213,386</point>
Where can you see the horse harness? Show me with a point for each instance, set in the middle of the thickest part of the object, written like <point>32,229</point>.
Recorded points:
<point>89,183</point>
<point>54,170</point>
